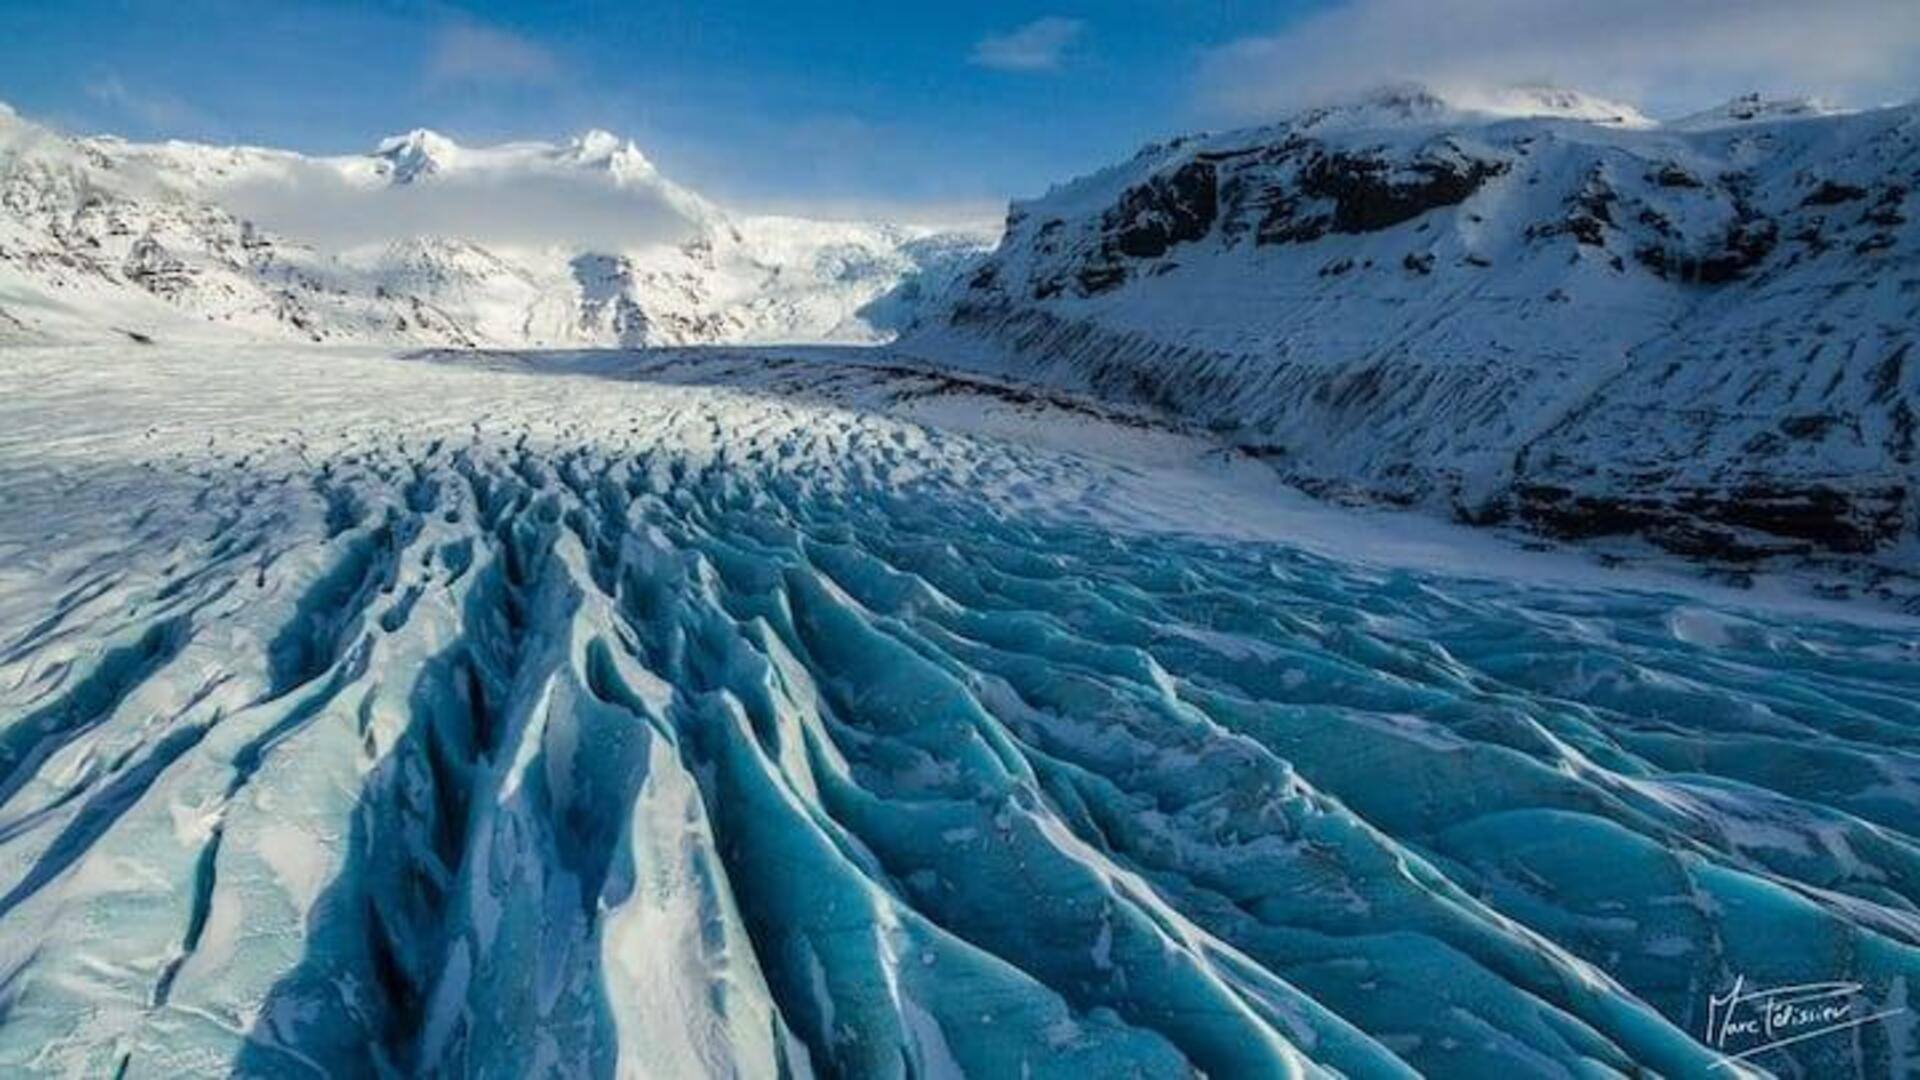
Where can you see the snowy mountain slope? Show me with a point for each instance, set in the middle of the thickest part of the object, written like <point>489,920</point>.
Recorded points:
<point>1551,311</point>
<point>87,244</point>
<point>752,713</point>
<point>424,241</point>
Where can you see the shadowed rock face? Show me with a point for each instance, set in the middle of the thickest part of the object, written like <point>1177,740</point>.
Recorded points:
<point>1367,194</point>
<point>1167,210</point>
<point>1325,192</point>
<point>1750,522</point>
<point>1147,222</point>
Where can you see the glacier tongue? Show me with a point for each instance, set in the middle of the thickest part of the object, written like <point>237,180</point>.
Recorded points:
<point>713,718</point>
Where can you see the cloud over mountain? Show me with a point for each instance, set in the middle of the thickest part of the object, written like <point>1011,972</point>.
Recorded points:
<point>1665,57</point>
<point>315,202</point>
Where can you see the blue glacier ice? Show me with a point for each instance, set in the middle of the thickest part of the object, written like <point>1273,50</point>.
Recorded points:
<point>789,753</point>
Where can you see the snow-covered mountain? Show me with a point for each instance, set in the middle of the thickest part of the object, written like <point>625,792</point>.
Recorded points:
<point>1541,308</point>
<point>425,241</point>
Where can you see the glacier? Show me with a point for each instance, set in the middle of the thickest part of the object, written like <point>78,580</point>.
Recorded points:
<point>807,712</point>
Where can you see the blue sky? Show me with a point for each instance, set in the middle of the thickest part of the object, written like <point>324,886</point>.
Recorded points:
<point>745,98</point>
<point>826,104</point>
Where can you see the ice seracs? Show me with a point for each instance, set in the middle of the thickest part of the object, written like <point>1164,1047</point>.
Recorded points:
<point>786,713</point>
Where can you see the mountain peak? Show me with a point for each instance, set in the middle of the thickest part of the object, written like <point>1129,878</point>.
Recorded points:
<point>1389,105</point>
<point>1752,108</point>
<point>599,143</point>
<point>419,152</point>
<point>602,148</point>
<point>1557,102</point>
<point>1412,103</point>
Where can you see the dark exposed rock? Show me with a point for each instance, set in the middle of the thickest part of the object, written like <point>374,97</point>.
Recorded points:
<point>1287,193</point>
<point>1812,426</point>
<point>155,269</point>
<point>1886,211</point>
<point>1886,374</point>
<point>1346,192</point>
<point>1744,245</point>
<point>1673,176</point>
<point>1283,224</point>
<point>1563,513</point>
<point>1830,193</point>
<point>1369,196</point>
<point>1179,207</point>
<point>1901,436</point>
<point>1699,541</point>
<point>1655,220</point>
<point>1099,277</point>
<point>1587,230</point>
<point>1768,519</point>
<point>1857,521</point>
<point>1592,212</point>
<point>1747,243</point>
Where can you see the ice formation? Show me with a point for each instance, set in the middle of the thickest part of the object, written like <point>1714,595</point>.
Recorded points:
<point>786,713</point>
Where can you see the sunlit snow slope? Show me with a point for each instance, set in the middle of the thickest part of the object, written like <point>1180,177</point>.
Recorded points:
<point>426,242</point>
<point>766,714</point>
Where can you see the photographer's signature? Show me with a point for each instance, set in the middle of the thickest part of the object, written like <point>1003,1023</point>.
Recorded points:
<point>1743,1022</point>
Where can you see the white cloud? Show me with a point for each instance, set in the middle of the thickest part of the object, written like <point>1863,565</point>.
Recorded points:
<point>470,53</point>
<point>1037,46</point>
<point>316,203</point>
<point>155,111</point>
<point>982,215</point>
<point>1667,56</point>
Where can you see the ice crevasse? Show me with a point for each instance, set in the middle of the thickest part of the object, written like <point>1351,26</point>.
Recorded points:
<point>793,757</point>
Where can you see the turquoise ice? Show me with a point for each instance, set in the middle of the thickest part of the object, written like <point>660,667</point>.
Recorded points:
<point>666,730</point>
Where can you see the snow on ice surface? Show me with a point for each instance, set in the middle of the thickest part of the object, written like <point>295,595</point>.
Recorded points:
<point>787,712</point>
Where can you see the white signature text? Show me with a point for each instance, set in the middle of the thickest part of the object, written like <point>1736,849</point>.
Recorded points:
<point>1746,1021</point>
